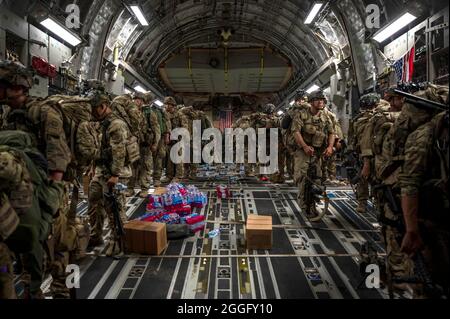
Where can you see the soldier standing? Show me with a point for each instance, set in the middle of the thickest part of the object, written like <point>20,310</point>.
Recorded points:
<point>329,167</point>
<point>45,124</point>
<point>425,202</point>
<point>314,136</point>
<point>149,140</point>
<point>174,172</point>
<point>161,150</point>
<point>119,149</point>
<point>367,104</point>
<point>301,103</point>
<point>244,123</point>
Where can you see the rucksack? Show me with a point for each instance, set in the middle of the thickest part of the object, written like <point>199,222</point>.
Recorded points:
<point>43,197</point>
<point>127,110</point>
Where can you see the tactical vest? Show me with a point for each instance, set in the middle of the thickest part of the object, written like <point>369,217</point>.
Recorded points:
<point>314,131</point>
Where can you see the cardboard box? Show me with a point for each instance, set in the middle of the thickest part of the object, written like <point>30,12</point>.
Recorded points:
<point>259,232</point>
<point>159,191</point>
<point>145,238</point>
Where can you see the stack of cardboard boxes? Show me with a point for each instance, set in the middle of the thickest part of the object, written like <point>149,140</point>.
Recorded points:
<point>259,232</point>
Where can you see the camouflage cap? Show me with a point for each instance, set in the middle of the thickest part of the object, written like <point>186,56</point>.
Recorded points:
<point>317,95</point>
<point>16,73</point>
<point>146,97</point>
<point>370,99</point>
<point>170,100</point>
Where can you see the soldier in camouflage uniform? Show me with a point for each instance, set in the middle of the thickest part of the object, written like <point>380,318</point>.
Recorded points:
<point>314,135</point>
<point>425,199</point>
<point>119,149</point>
<point>159,156</point>
<point>190,169</point>
<point>149,140</point>
<point>329,166</point>
<point>301,103</point>
<point>367,104</point>
<point>46,125</point>
<point>174,172</point>
<point>12,172</point>
<point>395,167</point>
<point>244,123</point>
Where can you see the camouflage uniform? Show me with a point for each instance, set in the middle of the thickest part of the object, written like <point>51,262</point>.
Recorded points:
<point>12,172</point>
<point>177,120</point>
<point>49,128</point>
<point>329,165</point>
<point>355,133</point>
<point>190,169</point>
<point>150,134</point>
<point>244,123</point>
<point>160,155</point>
<point>125,106</point>
<point>315,130</point>
<point>114,162</point>
<point>402,153</point>
<point>288,138</point>
<point>424,176</point>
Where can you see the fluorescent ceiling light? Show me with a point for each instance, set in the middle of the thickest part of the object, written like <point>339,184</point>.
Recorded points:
<point>140,89</point>
<point>314,11</point>
<point>292,103</point>
<point>159,103</point>
<point>61,32</point>
<point>313,88</point>
<point>139,15</point>
<point>395,26</point>
<point>280,112</point>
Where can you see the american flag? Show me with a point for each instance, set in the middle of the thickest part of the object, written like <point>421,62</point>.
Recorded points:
<point>404,67</point>
<point>226,120</point>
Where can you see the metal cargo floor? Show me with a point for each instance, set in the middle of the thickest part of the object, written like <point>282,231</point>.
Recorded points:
<point>303,263</point>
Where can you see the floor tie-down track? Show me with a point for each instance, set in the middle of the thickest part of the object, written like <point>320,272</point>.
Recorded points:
<point>305,262</point>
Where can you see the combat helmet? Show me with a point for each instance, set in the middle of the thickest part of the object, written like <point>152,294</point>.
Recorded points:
<point>317,95</point>
<point>269,108</point>
<point>15,73</point>
<point>146,97</point>
<point>170,100</point>
<point>369,100</point>
<point>301,95</point>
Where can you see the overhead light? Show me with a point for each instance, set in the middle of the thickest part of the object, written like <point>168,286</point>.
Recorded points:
<point>139,15</point>
<point>314,11</point>
<point>313,88</point>
<point>395,26</point>
<point>159,103</point>
<point>61,31</point>
<point>280,112</point>
<point>140,89</point>
<point>292,103</point>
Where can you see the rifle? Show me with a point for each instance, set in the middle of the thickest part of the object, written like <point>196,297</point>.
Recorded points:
<point>421,103</point>
<point>353,167</point>
<point>422,275</point>
<point>118,224</point>
<point>314,192</point>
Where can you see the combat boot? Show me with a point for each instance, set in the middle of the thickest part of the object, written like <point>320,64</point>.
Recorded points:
<point>129,192</point>
<point>362,207</point>
<point>143,193</point>
<point>165,180</point>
